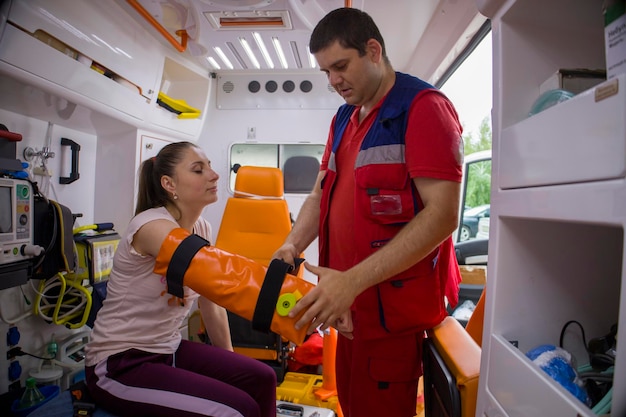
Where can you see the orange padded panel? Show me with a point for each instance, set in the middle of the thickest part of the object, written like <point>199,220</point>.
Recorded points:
<point>474,325</point>
<point>462,356</point>
<point>256,220</point>
<point>259,181</point>
<point>254,228</point>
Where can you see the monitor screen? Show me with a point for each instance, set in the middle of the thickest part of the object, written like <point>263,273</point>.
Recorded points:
<point>6,210</point>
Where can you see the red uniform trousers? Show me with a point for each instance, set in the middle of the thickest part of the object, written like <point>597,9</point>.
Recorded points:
<point>379,377</point>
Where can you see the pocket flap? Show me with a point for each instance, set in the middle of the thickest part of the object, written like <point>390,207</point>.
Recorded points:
<point>394,369</point>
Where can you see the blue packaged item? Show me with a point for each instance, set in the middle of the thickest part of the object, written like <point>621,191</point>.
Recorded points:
<point>548,99</point>
<point>557,363</point>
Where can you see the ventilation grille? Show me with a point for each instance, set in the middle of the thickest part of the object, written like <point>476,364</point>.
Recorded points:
<point>228,87</point>
<point>249,20</point>
<point>276,91</point>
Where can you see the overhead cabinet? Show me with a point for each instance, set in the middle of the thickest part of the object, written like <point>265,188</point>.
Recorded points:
<point>97,55</point>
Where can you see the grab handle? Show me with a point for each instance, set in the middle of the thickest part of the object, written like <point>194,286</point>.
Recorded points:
<point>74,174</point>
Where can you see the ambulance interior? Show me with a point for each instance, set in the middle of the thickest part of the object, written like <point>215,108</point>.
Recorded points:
<point>89,90</point>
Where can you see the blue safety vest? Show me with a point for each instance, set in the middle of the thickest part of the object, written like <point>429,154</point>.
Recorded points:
<point>385,201</point>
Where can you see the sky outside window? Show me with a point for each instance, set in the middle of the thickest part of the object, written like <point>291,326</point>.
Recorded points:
<point>470,88</point>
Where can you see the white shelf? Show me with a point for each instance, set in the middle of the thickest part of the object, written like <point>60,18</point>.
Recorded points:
<point>530,393</point>
<point>581,139</point>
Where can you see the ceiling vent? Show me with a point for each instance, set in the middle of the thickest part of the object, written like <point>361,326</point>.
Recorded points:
<point>249,20</point>
<point>238,4</point>
<point>228,87</point>
<point>275,91</point>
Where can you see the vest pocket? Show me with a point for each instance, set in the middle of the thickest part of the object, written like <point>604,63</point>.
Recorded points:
<point>414,303</point>
<point>384,194</point>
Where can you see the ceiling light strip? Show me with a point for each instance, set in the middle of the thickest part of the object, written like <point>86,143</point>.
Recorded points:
<point>266,56</point>
<point>248,50</point>
<point>223,57</point>
<point>279,51</point>
<point>213,63</point>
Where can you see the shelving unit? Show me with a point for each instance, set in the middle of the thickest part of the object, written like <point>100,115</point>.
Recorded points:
<point>558,208</point>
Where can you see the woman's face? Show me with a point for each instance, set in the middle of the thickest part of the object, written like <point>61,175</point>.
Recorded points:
<point>195,182</point>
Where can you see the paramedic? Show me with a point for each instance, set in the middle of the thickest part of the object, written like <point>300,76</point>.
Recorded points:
<point>384,207</point>
<point>137,362</point>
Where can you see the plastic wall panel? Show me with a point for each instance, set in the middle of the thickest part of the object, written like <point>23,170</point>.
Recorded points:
<point>276,91</point>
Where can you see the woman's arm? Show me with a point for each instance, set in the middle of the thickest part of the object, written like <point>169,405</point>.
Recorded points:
<point>216,323</point>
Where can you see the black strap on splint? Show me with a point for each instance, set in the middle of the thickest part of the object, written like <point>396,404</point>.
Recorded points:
<point>181,259</point>
<point>269,293</point>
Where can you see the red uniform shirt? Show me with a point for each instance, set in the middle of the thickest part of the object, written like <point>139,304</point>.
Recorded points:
<point>433,148</point>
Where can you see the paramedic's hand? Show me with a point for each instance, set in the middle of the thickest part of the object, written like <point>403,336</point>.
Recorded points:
<point>327,303</point>
<point>288,253</point>
<point>344,325</point>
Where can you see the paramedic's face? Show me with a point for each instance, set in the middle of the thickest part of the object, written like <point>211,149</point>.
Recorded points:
<point>196,182</point>
<point>354,77</point>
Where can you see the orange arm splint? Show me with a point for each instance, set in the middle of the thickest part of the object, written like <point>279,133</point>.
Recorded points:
<point>240,285</point>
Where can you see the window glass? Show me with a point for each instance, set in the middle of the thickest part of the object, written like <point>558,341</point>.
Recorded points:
<point>298,161</point>
<point>476,201</point>
<point>470,89</point>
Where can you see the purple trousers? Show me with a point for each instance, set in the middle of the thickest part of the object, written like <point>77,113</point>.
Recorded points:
<point>198,380</point>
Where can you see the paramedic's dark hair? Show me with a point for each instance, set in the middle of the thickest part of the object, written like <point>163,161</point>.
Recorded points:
<point>352,28</point>
<point>151,194</point>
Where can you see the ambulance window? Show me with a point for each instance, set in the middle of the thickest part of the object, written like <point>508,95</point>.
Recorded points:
<point>298,161</point>
<point>468,84</point>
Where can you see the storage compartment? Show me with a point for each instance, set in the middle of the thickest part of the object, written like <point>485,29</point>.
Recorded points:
<point>96,55</point>
<point>565,143</point>
<point>536,39</point>
<point>190,90</point>
<point>555,272</point>
<point>110,38</point>
<point>531,392</point>
<point>81,84</point>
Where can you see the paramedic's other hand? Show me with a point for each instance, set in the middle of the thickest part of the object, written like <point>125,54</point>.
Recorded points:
<point>327,302</point>
<point>344,325</point>
<point>288,253</point>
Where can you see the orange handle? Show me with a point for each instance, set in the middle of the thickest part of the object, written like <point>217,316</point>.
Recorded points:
<point>181,47</point>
